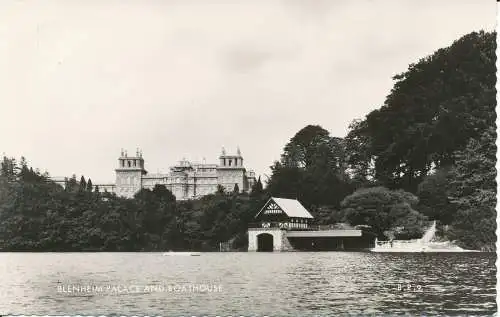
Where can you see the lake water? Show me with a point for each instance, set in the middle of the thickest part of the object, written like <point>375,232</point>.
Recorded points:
<point>256,284</point>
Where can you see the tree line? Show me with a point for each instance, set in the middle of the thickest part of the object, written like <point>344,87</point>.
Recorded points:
<point>428,153</point>
<point>37,214</point>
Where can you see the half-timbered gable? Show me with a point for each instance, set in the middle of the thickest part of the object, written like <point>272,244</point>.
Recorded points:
<point>286,213</point>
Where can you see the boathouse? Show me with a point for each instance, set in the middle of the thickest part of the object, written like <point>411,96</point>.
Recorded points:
<point>286,225</point>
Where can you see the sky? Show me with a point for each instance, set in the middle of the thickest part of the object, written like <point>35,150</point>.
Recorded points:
<point>181,79</point>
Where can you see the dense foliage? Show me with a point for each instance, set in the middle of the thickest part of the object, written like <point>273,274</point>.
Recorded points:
<point>472,192</point>
<point>432,142</point>
<point>385,210</point>
<point>311,170</point>
<point>434,109</point>
<point>427,154</point>
<point>37,214</point>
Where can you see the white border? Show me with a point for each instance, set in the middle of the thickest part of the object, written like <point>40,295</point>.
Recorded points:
<point>497,86</point>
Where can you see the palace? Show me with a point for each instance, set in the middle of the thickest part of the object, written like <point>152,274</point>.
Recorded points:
<point>186,180</point>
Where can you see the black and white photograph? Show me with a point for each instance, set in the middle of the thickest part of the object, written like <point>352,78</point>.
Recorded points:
<point>248,158</point>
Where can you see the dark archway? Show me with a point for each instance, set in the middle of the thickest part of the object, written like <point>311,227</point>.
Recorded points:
<point>265,242</point>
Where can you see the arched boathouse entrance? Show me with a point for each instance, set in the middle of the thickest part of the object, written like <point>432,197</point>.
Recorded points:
<point>265,242</point>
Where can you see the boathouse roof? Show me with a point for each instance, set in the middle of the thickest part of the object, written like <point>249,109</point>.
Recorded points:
<point>291,207</point>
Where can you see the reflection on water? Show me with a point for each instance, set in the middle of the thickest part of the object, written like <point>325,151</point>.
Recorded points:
<point>250,283</point>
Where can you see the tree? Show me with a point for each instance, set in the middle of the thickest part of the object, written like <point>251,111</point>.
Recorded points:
<point>26,173</point>
<point>23,169</point>
<point>325,215</point>
<point>8,168</point>
<point>301,149</point>
<point>472,191</point>
<point>83,184</point>
<point>435,107</point>
<point>89,185</point>
<point>72,184</point>
<point>358,153</point>
<point>312,169</point>
<point>163,194</point>
<point>383,210</point>
<point>257,188</point>
<point>433,196</point>
<point>221,190</point>
<point>285,181</point>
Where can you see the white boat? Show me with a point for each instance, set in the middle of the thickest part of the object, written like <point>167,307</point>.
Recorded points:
<point>181,253</point>
<point>424,244</point>
<point>415,247</point>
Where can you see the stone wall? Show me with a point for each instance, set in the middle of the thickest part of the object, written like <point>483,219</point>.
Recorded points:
<point>128,183</point>
<point>280,240</point>
<point>285,243</point>
<point>228,177</point>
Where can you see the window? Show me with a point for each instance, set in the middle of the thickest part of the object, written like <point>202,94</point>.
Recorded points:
<point>129,164</point>
<point>230,161</point>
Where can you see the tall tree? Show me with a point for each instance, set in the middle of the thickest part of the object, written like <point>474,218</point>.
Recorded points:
<point>89,185</point>
<point>257,188</point>
<point>359,153</point>
<point>23,168</point>
<point>435,107</point>
<point>72,184</point>
<point>285,181</point>
<point>8,168</point>
<point>473,192</point>
<point>301,149</point>
<point>433,196</point>
<point>312,169</point>
<point>83,184</point>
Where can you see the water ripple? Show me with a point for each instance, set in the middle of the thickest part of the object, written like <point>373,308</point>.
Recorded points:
<point>286,284</point>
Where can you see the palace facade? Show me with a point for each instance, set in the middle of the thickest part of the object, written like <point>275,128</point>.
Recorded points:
<point>186,180</point>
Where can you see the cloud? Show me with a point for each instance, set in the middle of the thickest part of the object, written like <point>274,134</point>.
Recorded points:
<point>244,59</point>
<point>82,79</point>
